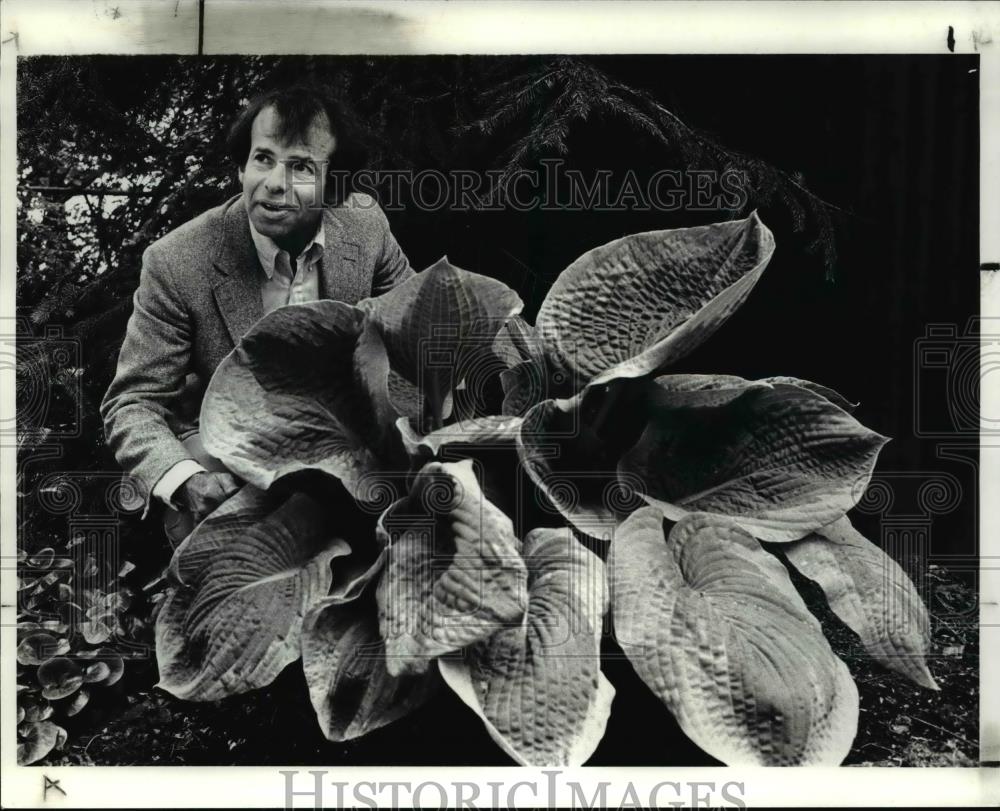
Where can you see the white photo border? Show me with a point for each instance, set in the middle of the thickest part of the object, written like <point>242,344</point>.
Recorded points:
<point>213,27</point>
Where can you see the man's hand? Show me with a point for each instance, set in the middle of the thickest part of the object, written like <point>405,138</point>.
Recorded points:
<point>203,492</point>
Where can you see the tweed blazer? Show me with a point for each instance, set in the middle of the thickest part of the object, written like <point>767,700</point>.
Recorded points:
<point>199,292</point>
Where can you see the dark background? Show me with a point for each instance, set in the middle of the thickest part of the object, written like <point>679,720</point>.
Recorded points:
<point>889,143</point>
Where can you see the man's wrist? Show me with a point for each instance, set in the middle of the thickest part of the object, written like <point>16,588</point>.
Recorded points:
<point>167,489</point>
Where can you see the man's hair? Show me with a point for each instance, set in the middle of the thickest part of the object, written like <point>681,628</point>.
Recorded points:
<point>297,106</point>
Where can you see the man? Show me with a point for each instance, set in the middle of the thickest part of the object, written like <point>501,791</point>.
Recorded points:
<point>203,285</point>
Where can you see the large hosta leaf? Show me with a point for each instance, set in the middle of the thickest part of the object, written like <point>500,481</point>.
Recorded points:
<point>286,398</point>
<point>434,320</point>
<point>871,593</point>
<point>632,306</point>
<point>454,573</point>
<point>246,576</point>
<point>713,625</point>
<point>344,661</point>
<point>305,349</point>
<point>538,686</point>
<point>781,459</point>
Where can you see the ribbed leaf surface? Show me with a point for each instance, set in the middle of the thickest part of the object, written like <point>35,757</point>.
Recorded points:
<point>713,625</point>
<point>454,573</point>
<point>434,319</point>
<point>538,686</point>
<point>344,661</point>
<point>246,576</point>
<point>641,302</point>
<point>781,459</point>
<point>285,399</point>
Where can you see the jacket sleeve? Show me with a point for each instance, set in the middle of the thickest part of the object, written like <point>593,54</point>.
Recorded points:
<point>152,366</point>
<point>391,265</point>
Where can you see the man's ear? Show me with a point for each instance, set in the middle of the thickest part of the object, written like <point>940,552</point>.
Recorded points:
<point>239,174</point>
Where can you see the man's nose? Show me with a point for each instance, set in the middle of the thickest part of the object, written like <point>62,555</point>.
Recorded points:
<point>275,180</point>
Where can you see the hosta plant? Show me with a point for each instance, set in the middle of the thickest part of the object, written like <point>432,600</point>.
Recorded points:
<point>440,494</point>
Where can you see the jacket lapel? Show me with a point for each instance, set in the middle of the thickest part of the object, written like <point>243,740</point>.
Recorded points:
<point>237,288</point>
<point>341,277</point>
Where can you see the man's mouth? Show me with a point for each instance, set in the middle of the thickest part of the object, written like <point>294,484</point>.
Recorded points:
<point>275,207</point>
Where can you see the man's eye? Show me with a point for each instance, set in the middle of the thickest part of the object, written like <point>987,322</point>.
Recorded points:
<point>302,168</point>
<point>261,158</point>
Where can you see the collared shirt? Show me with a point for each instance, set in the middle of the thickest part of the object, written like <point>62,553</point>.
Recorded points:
<point>283,284</point>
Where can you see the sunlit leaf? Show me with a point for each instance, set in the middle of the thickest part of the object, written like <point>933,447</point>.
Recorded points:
<point>36,708</point>
<point>247,575</point>
<point>538,686</point>
<point>98,629</point>
<point>37,648</point>
<point>641,302</point>
<point>114,663</point>
<point>871,593</point>
<point>37,740</point>
<point>59,677</point>
<point>57,627</point>
<point>712,624</point>
<point>454,573</point>
<point>79,701</point>
<point>96,672</point>
<point>42,559</point>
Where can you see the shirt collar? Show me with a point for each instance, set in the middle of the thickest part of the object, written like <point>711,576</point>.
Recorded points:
<point>267,248</point>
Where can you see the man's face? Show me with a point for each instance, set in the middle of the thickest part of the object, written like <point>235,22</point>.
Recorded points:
<point>283,182</point>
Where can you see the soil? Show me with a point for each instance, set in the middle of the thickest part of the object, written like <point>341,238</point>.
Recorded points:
<point>900,724</point>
